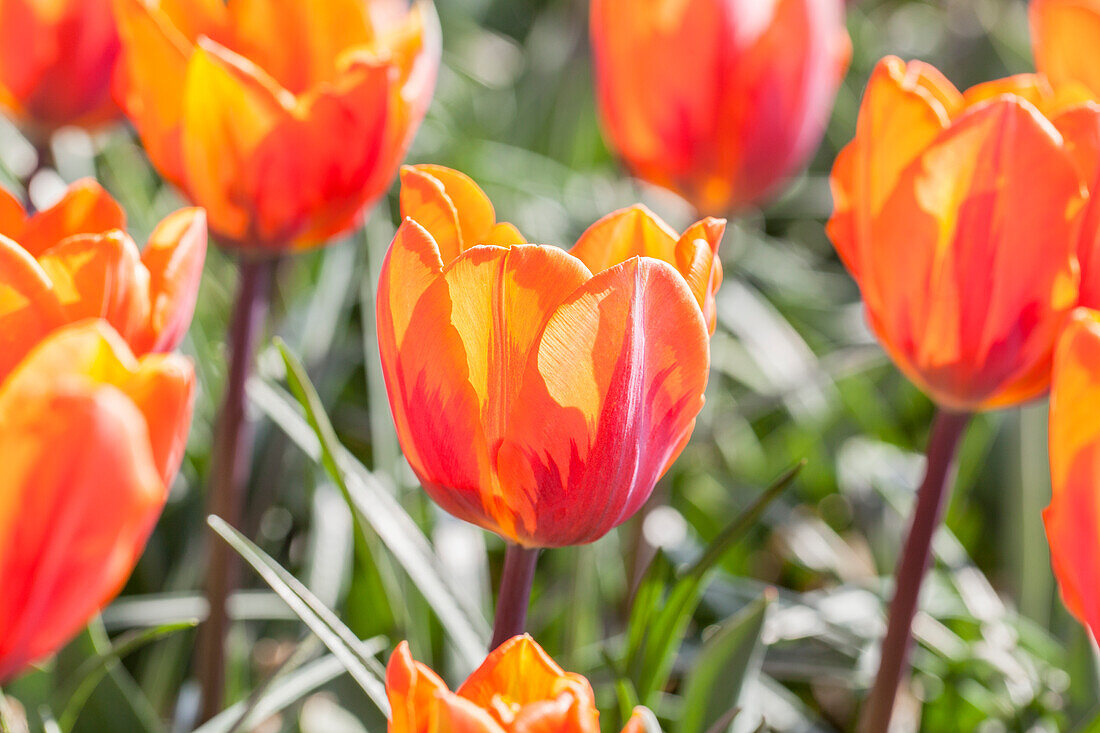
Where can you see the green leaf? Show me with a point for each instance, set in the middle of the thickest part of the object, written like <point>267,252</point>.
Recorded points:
<point>118,702</point>
<point>281,694</point>
<point>713,686</point>
<point>373,503</point>
<point>91,672</point>
<point>349,649</point>
<point>656,640</point>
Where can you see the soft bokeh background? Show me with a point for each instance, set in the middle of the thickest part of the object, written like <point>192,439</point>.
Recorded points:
<point>795,376</point>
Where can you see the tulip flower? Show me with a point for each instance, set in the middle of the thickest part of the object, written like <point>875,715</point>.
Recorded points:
<point>90,439</point>
<point>1064,34</point>
<point>1071,519</point>
<point>56,58</point>
<point>717,100</point>
<point>573,381</point>
<point>958,216</point>
<point>74,260</point>
<point>282,119</point>
<point>518,688</point>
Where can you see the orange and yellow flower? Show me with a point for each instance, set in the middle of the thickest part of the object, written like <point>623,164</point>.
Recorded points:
<point>75,261</point>
<point>90,439</point>
<point>283,119</point>
<point>1074,512</point>
<point>718,100</point>
<point>518,688</point>
<point>56,58</point>
<point>536,393</point>
<point>958,215</point>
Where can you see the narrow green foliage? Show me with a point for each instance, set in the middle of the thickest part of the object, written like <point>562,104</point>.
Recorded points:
<point>356,658</point>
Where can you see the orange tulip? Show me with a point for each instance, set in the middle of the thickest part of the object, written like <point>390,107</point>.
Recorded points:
<point>90,439</point>
<point>56,58</point>
<point>958,215</point>
<point>282,118</point>
<point>517,689</point>
<point>1064,34</point>
<point>1072,517</point>
<point>532,397</point>
<point>717,100</point>
<point>75,261</point>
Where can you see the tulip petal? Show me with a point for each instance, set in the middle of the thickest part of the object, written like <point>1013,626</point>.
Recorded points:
<point>453,714</point>
<point>412,690</point>
<point>174,257</point>
<point>149,78</point>
<point>308,198</point>
<point>607,401</point>
<point>81,486</point>
<point>1073,517</point>
<point>298,42</point>
<point>160,386</point>
<point>1080,128</point>
<point>632,232</point>
<point>229,108</point>
<point>28,306</point>
<point>521,672</point>
<point>1064,35</point>
<point>12,215</point>
<point>194,18</point>
<point>997,251</point>
<point>424,364</point>
<point>424,199</point>
<point>504,235</point>
<point>99,276</point>
<point>86,208</point>
<point>905,107</point>
<point>697,260</point>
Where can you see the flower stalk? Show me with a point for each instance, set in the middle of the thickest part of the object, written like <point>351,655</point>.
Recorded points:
<point>514,595</point>
<point>230,465</point>
<point>947,431</point>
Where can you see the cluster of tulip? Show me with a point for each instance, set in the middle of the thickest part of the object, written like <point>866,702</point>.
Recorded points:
<point>537,393</point>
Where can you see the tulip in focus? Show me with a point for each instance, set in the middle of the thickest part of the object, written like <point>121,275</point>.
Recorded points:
<point>75,261</point>
<point>282,119</point>
<point>1073,515</point>
<point>518,688</point>
<point>56,58</point>
<point>90,439</point>
<point>536,393</point>
<point>958,216</point>
<point>718,100</point>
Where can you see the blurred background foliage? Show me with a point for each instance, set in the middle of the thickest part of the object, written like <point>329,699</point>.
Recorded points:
<point>795,376</point>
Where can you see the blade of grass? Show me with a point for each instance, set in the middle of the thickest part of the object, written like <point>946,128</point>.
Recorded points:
<point>92,672</point>
<point>339,639</point>
<point>371,502</point>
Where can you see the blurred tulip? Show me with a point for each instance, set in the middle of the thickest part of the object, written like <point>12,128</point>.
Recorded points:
<point>283,119</point>
<point>1064,34</point>
<point>517,688</point>
<point>958,216</point>
<point>90,439</point>
<point>718,100</point>
<point>75,261</point>
<point>1072,517</point>
<point>573,392</point>
<point>56,58</point>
